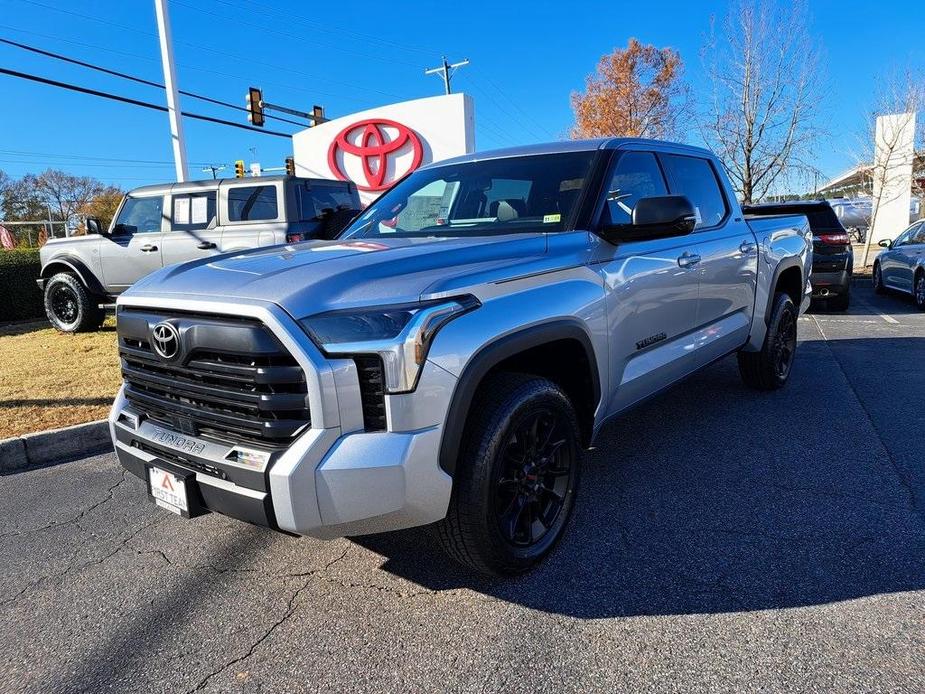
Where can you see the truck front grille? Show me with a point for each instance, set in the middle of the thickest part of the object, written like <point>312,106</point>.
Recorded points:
<point>230,380</point>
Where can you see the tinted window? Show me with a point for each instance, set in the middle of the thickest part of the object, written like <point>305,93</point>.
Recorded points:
<point>140,216</point>
<point>494,196</point>
<point>193,212</point>
<point>918,236</point>
<point>906,236</point>
<point>250,203</point>
<point>695,178</point>
<point>636,176</point>
<point>318,196</point>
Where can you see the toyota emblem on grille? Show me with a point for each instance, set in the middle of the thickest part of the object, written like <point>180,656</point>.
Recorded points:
<point>166,340</point>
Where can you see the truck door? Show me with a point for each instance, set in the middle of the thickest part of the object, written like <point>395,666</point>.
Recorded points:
<point>252,213</point>
<point>132,249</point>
<point>728,254</point>
<point>651,290</point>
<point>193,232</point>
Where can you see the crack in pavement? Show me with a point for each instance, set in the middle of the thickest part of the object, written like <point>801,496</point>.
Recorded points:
<point>71,568</point>
<point>290,610</point>
<point>76,519</point>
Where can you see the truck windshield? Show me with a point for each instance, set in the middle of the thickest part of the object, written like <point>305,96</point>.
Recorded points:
<point>534,193</point>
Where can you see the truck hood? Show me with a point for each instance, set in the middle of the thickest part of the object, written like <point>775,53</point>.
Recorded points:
<point>318,276</point>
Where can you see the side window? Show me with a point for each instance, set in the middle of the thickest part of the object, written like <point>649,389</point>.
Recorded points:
<point>139,216</point>
<point>636,176</point>
<point>905,237</point>
<point>193,212</point>
<point>919,235</point>
<point>695,178</point>
<point>318,196</point>
<point>252,203</point>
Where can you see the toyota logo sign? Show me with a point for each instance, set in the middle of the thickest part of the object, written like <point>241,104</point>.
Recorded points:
<point>166,340</point>
<point>380,141</point>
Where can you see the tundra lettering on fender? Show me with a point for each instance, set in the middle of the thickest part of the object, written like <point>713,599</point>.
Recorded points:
<point>451,356</point>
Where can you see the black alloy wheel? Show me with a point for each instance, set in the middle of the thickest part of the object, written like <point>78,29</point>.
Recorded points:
<point>786,347</point>
<point>535,477</point>
<point>64,304</point>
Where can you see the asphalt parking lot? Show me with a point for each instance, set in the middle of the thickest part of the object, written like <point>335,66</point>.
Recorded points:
<point>723,540</point>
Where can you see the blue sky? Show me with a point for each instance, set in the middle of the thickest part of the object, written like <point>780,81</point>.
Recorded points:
<point>526,58</point>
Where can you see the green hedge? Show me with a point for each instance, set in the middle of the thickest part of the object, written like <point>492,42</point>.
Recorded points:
<point>20,297</point>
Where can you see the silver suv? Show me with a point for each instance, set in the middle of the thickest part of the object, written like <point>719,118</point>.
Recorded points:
<point>452,355</point>
<point>166,224</point>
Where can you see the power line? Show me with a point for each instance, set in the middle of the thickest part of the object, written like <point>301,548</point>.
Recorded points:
<point>57,155</point>
<point>133,78</point>
<point>447,71</point>
<point>135,102</point>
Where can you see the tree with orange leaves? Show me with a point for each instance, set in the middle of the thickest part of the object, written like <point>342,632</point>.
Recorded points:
<point>637,91</point>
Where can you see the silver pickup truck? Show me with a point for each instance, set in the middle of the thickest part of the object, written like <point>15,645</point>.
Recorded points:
<point>171,223</point>
<point>453,354</point>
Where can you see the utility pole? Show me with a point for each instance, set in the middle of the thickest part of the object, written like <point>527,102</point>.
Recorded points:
<point>170,86</point>
<point>214,168</point>
<point>447,71</point>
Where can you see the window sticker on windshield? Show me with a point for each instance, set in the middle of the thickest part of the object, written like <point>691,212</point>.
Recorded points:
<point>551,218</point>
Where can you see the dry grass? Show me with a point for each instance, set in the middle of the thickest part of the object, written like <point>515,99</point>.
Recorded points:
<point>49,379</point>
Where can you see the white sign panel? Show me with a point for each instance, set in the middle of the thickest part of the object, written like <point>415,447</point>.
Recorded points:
<point>377,147</point>
<point>892,174</point>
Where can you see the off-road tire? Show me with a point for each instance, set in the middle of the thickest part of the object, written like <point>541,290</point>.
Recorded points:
<point>762,370</point>
<point>471,532</point>
<point>70,307</point>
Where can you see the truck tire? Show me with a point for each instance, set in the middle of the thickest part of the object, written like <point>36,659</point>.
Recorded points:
<point>770,368</point>
<point>516,478</point>
<point>70,307</point>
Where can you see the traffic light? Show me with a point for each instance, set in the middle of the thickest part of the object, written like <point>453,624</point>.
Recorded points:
<point>290,166</point>
<point>254,102</point>
<point>318,115</point>
<point>239,168</point>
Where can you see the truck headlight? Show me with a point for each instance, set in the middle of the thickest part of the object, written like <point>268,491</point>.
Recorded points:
<point>401,335</point>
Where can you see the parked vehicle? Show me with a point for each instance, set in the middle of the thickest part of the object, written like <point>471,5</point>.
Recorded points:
<point>901,266</point>
<point>854,215</point>
<point>166,224</point>
<point>452,355</point>
<point>833,255</point>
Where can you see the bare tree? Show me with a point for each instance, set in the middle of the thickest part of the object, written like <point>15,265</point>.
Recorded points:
<point>903,97</point>
<point>65,194</point>
<point>764,70</point>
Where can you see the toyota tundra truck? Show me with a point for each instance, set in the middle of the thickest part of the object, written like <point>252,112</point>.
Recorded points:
<point>450,358</point>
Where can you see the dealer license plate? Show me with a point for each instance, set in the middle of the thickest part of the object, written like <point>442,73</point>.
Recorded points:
<point>168,490</point>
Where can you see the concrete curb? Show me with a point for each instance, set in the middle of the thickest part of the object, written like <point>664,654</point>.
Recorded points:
<point>53,446</point>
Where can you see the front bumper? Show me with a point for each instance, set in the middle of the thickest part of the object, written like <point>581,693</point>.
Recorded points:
<point>334,479</point>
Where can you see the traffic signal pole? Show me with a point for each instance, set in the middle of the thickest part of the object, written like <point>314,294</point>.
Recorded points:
<point>170,84</point>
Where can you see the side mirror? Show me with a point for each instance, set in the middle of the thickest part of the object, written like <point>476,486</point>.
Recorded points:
<point>885,243</point>
<point>656,217</point>
<point>94,226</point>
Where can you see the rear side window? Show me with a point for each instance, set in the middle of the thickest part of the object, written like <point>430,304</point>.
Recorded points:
<point>636,176</point>
<point>252,203</point>
<point>695,178</point>
<point>193,212</point>
<point>318,196</point>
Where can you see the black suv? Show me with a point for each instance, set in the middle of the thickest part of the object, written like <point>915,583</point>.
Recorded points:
<point>833,256</point>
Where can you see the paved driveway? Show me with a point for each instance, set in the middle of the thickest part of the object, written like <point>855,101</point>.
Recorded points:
<point>723,540</point>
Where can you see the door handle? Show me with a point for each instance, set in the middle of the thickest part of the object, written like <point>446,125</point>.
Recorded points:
<point>149,248</point>
<point>747,247</point>
<point>688,259</point>
<point>205,245</point>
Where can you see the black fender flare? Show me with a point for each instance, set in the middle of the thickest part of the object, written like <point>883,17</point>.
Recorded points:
<point>784,264</point>
<point>78,267</point>
<point>492,354</point>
